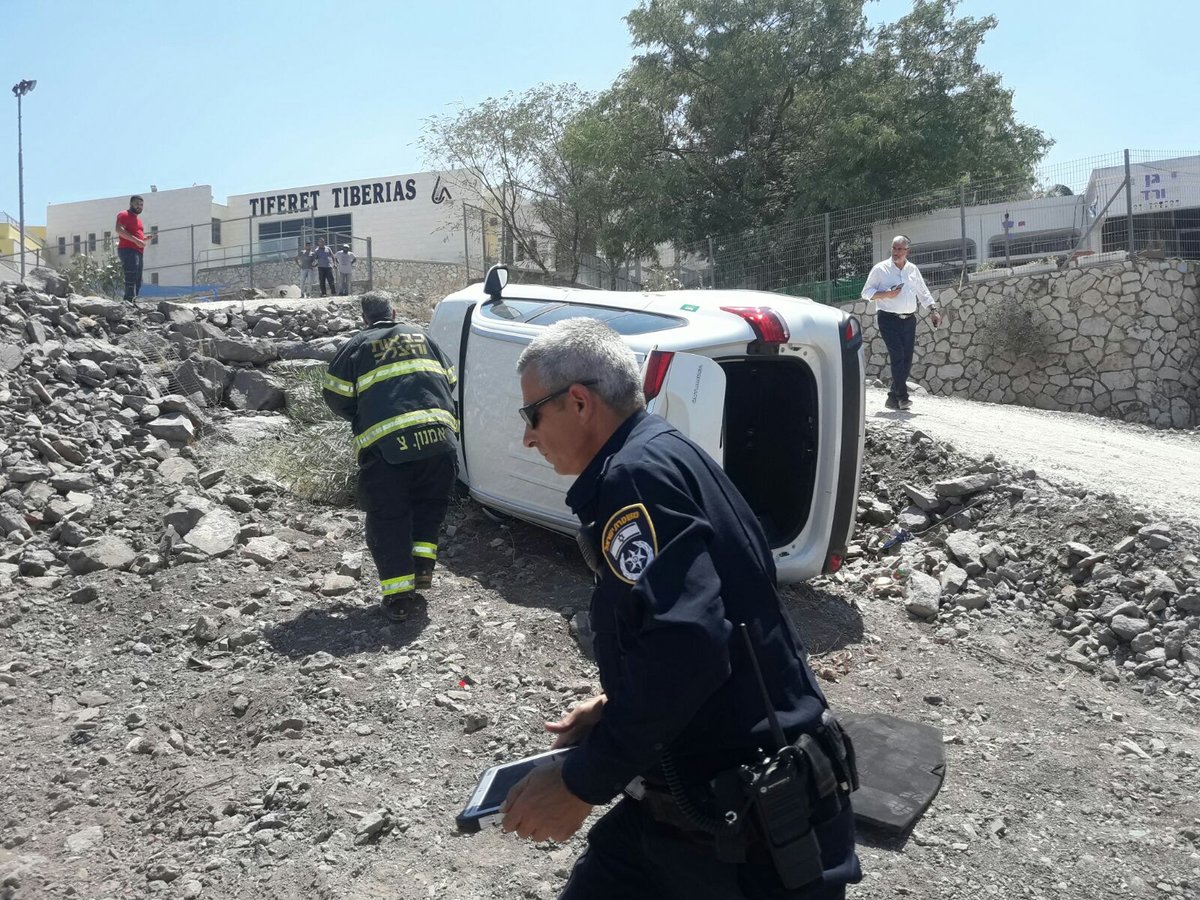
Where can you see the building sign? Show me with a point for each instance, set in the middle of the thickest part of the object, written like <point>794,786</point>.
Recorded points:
<point>1156,194</point>
<point>371,193</point>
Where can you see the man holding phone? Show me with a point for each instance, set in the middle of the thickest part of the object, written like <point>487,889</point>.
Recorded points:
<point>895,285</point>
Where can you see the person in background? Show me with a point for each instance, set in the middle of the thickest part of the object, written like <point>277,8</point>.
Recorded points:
<point>345,269</point>
<point>304,259</point>
<point>895,285</point>
<point>131,245</point>
<point>323,259</point>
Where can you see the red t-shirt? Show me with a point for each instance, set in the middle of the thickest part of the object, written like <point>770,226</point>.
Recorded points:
<point>131,223</point>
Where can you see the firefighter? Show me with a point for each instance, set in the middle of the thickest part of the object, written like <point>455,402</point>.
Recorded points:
<point>395,386</point>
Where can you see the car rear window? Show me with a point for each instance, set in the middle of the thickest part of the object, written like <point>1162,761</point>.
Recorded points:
<point>516,310</point>
<point>622,321</point>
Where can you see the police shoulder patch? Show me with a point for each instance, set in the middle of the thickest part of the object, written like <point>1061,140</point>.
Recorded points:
<point>628,542</point>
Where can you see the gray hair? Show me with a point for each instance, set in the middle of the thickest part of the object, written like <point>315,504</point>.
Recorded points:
<point>901,239</point>
<point>580,349</point>
<point>376,307</point>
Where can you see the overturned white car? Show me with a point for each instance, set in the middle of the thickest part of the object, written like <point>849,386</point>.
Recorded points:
<point>770,385</point>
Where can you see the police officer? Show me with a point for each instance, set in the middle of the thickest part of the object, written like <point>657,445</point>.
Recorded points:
<point>395,387</point>
<point>681,563</point>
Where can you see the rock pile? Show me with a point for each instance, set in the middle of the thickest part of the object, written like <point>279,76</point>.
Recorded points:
<point>989,542</point>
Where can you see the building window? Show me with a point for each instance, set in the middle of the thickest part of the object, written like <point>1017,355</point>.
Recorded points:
<point>154,235</point>
<point>291,234</point>
<point>75,243</point>
<point>154,278</point>
<point>62,246</point>
<point>108,240</point>
<point>940,253</point>
<point>1033,243</point>
<point>216,231</point>
<point>521,256</point>
<point>91,242</point>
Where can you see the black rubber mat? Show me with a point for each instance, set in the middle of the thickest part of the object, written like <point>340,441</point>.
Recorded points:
<point>901,765</point>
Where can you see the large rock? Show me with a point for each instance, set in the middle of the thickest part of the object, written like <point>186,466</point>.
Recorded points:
<point>922,595</point>
<point>174,428</point>
<point>953,579</point>
<point>266,551</point>
<point>248,350</point>
<point>964,485</point>
<point>108,552</point>
<point>323,349</point>
<point>1127,627</point>
<point>926,500</point>
<point>187,511</point>
<point>964,547</point>
<point>12,520</point>
<point>1188,604</point>
<point>216,533</point>
<point>48,282</point>
<point>255,390</point>
<point>11,356</point>
<point>203,375</point>
<point>176,470</point>
<point>100,308</point>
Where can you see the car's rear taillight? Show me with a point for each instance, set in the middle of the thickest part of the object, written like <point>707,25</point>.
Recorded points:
<point>768,325</point>
<point>851,333</point>
<point>657,364</point>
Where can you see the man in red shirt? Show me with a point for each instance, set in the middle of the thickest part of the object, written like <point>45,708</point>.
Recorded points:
<point>131,243</point>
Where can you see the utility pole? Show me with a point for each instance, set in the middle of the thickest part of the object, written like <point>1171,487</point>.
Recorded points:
<point>20,89</point>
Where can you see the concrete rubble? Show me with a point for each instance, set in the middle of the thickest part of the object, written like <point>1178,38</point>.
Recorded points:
<point>201,699</point>
<point>987,543</point>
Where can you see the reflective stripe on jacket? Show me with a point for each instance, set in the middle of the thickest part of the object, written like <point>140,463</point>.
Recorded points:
<point>395,386</point>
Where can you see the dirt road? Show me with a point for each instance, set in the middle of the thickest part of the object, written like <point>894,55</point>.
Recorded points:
<point>1140,464</point>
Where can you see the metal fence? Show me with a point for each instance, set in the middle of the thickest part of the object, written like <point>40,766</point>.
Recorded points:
<point>487,241</point>
<point>203,256</point>
<point>1116,203</point>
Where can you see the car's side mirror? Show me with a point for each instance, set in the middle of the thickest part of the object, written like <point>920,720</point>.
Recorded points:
<point>497,278</point>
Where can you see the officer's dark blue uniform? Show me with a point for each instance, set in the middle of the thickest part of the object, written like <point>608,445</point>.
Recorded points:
<point>683,561</point>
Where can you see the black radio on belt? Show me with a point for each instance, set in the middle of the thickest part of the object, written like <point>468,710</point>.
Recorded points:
<point>780,800</point>
<point>784,813</point>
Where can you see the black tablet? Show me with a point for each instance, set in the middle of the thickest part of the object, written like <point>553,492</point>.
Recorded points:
<point>484,806</point>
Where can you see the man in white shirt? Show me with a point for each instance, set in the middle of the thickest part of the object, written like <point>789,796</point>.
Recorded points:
<point>895,285</point>
<point>345,267</point>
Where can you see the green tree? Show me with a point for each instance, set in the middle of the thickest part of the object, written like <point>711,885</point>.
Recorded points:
<point>510,152</point>
<point>765,111</point>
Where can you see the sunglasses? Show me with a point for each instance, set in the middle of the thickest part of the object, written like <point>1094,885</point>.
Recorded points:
<point>531,412</point>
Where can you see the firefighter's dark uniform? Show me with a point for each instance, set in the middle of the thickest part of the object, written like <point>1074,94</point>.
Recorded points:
<point>394,385</point>
<point>682,561</point>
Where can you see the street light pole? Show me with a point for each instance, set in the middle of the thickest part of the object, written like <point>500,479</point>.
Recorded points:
<point>21,88</point>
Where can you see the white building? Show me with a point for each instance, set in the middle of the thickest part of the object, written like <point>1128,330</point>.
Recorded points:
<point>1166,216</point>
<point>405,217</point>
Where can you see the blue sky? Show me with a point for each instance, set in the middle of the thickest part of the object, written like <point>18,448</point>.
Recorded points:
<point>251,96</point>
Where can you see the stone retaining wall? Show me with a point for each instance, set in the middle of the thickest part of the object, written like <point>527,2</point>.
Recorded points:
<point>1121,341</point>
<point>430,281</point>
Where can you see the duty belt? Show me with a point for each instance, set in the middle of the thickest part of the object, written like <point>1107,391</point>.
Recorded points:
<point>832,775</point>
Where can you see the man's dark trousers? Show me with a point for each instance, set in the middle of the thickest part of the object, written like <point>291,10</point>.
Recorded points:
<point>405,506</point>
<point>326,272</point>
<point>131,262</point>
<point>899,333</point>
<point>631,857</point>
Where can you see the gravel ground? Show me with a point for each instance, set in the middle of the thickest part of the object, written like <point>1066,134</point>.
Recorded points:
<point>1141,464</point>
<point>241,729</point>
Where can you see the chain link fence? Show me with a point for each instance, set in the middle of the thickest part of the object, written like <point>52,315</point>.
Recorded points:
<point>1117,203</point>
<point>205,259</point>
